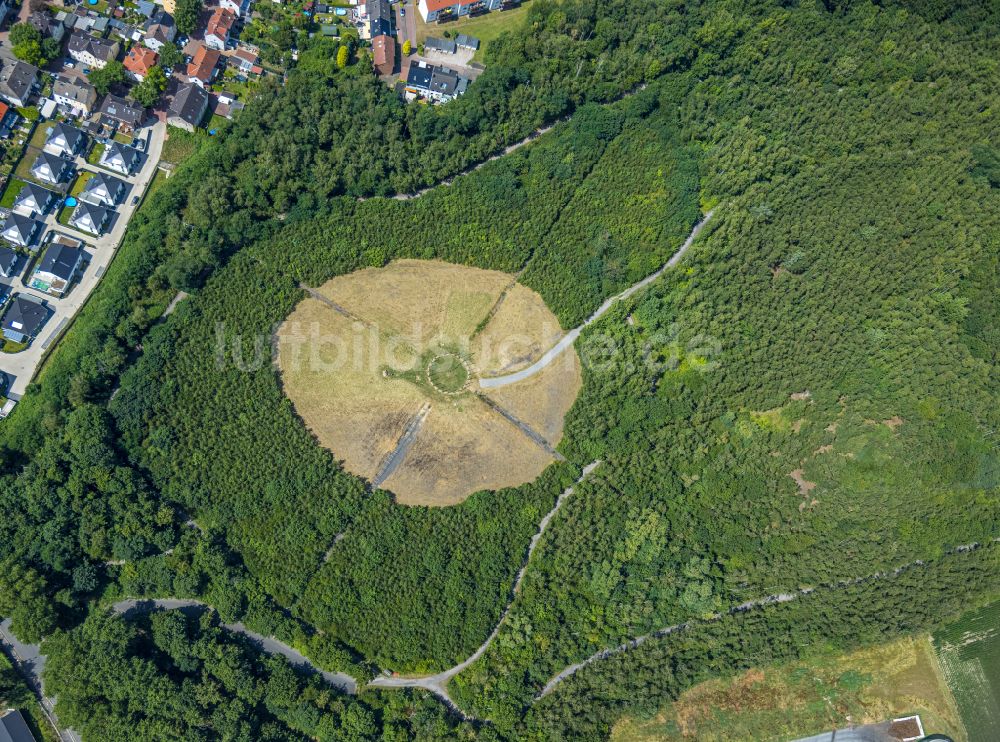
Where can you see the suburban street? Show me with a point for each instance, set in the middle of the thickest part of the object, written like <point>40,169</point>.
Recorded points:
<point>21,367</point>
<point>406,25</point>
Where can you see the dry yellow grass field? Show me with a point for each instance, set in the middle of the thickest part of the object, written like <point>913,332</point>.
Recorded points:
<point>521,329</point>
<point>816,695</point>
<point>357,382</point>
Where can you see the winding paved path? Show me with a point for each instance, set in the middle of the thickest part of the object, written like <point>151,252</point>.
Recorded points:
<point>436,683</point>
<point>269,644</point>
<point>570,337</point>
<point>742,607</point>
<point>433,683</point>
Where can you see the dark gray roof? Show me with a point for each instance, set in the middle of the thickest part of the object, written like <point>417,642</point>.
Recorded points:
<point>26,315</point>
<point>443,81</point>
<point>161,18</point>
<point>100,48</point>
<point>74,88</point>
<point>43,22</point>
<point>72,135</point>
<point>189,104</point>
<point>37,194</point>
<point>111,183</point>
<point>60,260</point>
<point>17,78</point>
<point>379,17</point>
<point>14,729</point>
<point>24,225</point>
<point>98,214</point>
<point>441,45</point>
<point>120,110</point>
<point>470,42</point>
<point>8,259</point>
<point>419,77</point>
<point>56,164</point>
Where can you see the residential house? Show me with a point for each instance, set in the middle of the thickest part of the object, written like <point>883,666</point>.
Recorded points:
<point>445,46</point>
<point>147,8</point>
<point>5,7</point>
<point>51,169</point>
<point>121,114</point>
<point>444,10</point>
<point>8,120</point>
<point>47,25</point>
<point>188,107</point>
<point>464,41</point>
<point>75,95</point>
<point>160,30</point>
<point>20,230</point>
<point>435,83</point>
<point>89,217</point>
<point>57,268</point>
<point>91,51</point>
<point>121,159</point>
<point>220,24</point>
<point>226,105</point>
<point>380,18</point>
<point>245,61</point>
<point>384,54</point>
<point>8,262</point>
<point>202,68</point>
<point>65,140</point>
<point>140,60</point>
<point>236,7</point>
<point>18,81</point>
<point>23,319</point>
<point>33,199</point>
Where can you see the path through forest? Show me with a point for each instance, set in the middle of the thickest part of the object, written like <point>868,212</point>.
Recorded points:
<point>570,337</point>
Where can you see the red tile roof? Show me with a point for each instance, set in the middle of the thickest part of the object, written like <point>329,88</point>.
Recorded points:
<point>433,5</point>
<point>141,60</point>
<point>384,53</point>
<point>203,63</point>
<point>219,24</point>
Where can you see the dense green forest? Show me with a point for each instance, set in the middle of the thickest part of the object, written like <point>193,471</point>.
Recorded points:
<point>187,678</point>
<point>811,397</point>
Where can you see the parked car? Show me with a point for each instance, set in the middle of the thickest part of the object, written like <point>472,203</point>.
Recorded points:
<point>135,200</point>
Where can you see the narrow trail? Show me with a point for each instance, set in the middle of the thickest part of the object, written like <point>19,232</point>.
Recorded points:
<point>528,431</point>
<point>333,305</point>
<point>741,608</point>
<point>570,337</point>
<point>472,168</point>
<point>436,683</point>
<point>406,441</point>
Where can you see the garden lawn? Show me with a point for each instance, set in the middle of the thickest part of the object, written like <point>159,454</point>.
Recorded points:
<point>14,186</point>
<point>94,157</point>
<point>485,27</point>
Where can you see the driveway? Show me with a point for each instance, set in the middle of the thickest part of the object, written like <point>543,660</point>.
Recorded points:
<point>20,367</point>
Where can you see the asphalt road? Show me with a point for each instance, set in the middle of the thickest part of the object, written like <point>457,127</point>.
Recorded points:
<point>570,337</point>
<point>268,644</point>
<point>30,661</point>
<point>436,683</point>
<point>20,367</point>
<point>406,25</point>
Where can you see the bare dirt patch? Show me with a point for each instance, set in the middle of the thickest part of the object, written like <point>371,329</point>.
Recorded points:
<point>358,380</point>
<point>805,486</point>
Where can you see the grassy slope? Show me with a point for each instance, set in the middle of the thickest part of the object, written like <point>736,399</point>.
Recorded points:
<point>969,653</point>
<point>486,27</point>
<point>823,692</point>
